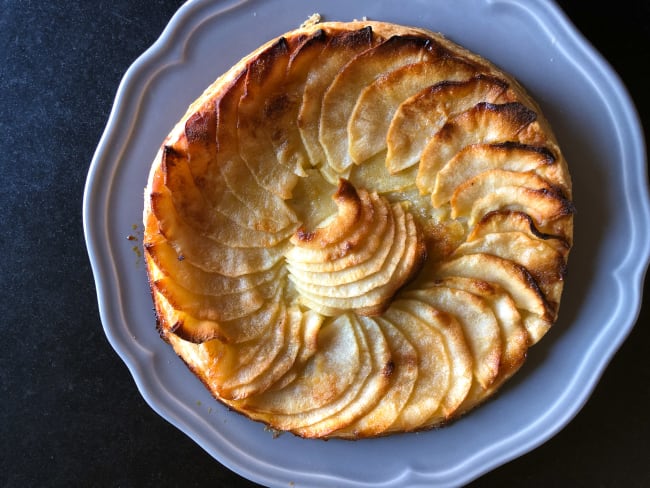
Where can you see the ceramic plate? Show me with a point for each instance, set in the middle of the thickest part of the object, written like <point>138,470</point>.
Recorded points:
<point>601,138</point>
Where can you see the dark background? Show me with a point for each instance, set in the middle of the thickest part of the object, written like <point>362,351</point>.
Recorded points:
<point>70,414</point>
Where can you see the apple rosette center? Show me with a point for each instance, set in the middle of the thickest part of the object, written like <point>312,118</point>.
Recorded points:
<point>358,258</point>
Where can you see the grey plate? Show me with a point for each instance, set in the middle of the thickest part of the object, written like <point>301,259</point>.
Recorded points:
<point>601,138</point>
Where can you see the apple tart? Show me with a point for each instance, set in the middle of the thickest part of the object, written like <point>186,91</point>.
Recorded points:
<point>358,230</point>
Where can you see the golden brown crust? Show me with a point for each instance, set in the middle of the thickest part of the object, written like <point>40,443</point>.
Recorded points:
<point>359,229</point>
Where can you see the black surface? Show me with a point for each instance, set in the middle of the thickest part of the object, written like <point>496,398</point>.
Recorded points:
<point>70,414</point>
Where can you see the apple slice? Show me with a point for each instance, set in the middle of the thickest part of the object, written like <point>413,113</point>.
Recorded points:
<point>311,323</point>
<point>206,253</point>
<point>263,114</point>
<point>369,256</point>
<point>330,380</point>
<point>513,332</point>
<point>515,221</point>
<point>259,378</point>
<point>241,191</point>
<point>341,97</point>
<point>373,174</point>
<point>460,362</point>
<point>538,316</point>
<point>192,206</point>
<point>379,101</point>
<point>477,158</point>
<point>433,371</point>
<point>234,365</point>
<point>479,324</point>
<point>402,380</point>
<point>388,258</point>
<point>235,331</point>
<point>373,389</point>
<point>341,47</point>
<point>196,279</point>
<point>483,123</point>
<point>218,308</point>
<point>353,250</point>
<point>498,189</point>
<point>544,263</point>
<point>419,117</point>
<point>372,295</point>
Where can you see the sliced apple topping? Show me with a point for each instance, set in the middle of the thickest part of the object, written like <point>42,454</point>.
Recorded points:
<point>479,324</point>
<point>460,364</point>
<point>206,253</point>
<point>513,333</point>
<point>514,279</point>
<point>193,207</point>
<point>419,117</point>
<point>235,331</point>
<point>318,279</point>
<point>378,102</point>
<point>475,159</point>
<point>330,380</point>
<point>509,190</point>
<point>263,112</point>
<point>338,51</point>
<point>370,276</point>
<point>405,365</point>
<point>484,123</point>
<point>341,97</point>
<point>431,364</point>
<point>243,190</point>
<point>517,221</point>
<point>373,388</point>
<point>544,263</point>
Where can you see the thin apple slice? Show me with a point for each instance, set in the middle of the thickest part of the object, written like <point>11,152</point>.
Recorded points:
<point>262,116</point>
<point>538,316</point>
<point>330,380</point>
<point>483,123</point>
<point>242,194</point>
<point>219,364</point>
<point>195,279</point>
<point>349,213</point>
<point>341,97</point>
<point>206,253</point>
<point>405,369</point>
<point>264,377</point>
<point>373,389</point>
<point>373,174</point>
<point>339,234</point>
<point>353,251</point>
<point>513,332</point>
<point>498,189</point>
<point>192,206</point>
<point>218,308</point>
<point>379,292</point>
<point>373,276</point>
<point>479,324</point>
<point>544,263</point>
<point>311,323</point>
<point>235,331</point>
<point>477,158</point>
<point>287,141</point>
<point>431,365</point>
<point>419,117</point>
<point>369,256</point>
<point>515,221</point>
<point>460,362</point>
<point>379,101</point>
<point>340,48</point>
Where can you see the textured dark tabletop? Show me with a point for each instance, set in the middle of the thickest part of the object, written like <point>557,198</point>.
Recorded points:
<point>70,413</point>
